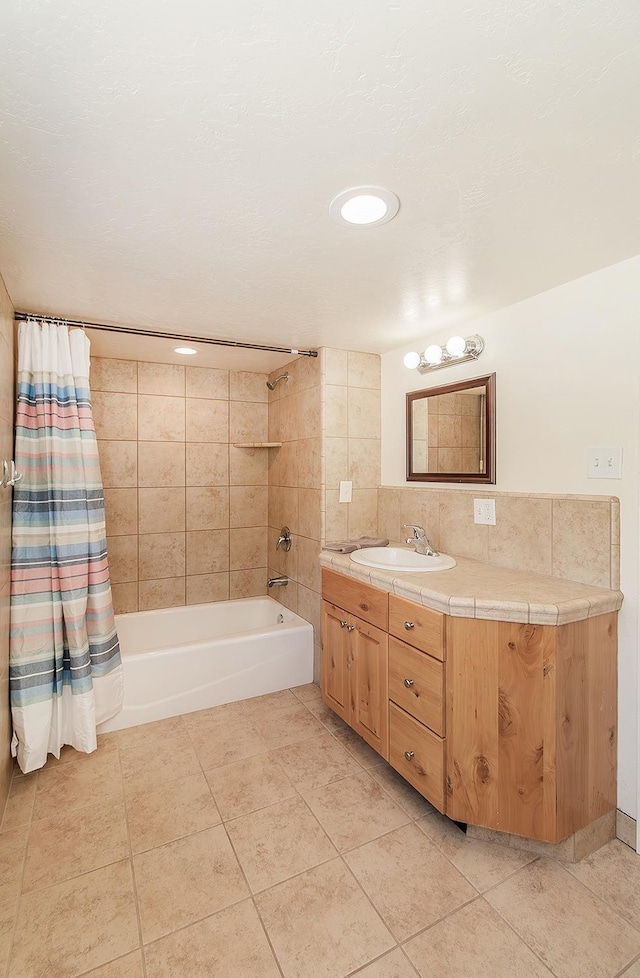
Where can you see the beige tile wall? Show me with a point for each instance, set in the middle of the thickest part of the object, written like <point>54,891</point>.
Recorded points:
<point>7,401</point>
<point>186,509</point>
<point>351,391</point>
<point>295,484</point>
<point>572,537</point>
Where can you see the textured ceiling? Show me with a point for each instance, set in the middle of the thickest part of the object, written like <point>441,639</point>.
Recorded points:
<point>170,162</point>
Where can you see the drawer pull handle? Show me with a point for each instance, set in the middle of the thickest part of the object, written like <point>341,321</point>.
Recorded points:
<point>409,754</point>
<point>350,628</point>
<point>409,625</point>
<point>408,683</point>
<point>343,624</point>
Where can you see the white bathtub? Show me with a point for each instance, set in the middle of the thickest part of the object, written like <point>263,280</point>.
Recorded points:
<point>178,660</point>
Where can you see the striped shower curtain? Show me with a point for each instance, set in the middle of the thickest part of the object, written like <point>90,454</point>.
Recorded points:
<point>65,673</point>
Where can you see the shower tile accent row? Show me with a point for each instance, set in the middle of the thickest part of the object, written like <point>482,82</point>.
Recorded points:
<point>186,510</point>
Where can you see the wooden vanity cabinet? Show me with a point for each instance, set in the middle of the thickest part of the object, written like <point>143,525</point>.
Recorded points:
<point>504,725</point>
<point>531,724</point>
<point>355,659</point>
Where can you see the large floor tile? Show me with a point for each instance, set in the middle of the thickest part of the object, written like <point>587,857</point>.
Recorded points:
<point>225,743</point>
<point>170,811</point>
<point>158,732</point>
<point>214,716</point>
<point>128,967</point>
<point>321,924</point>
<point>309,693</point>
<point>401,791</point>
<point>278,842</point>
<point>249,785</point>
<point>185,881</point>
<point>613,873</point>
<point>633,971</point>
<point>72,786</point>
<point>483,863</point>
<point>72,927</point>
<point>292,727</point>
<point>354,810</point>
<point>391,965</point>
<point>269,705</point>
<point>19,807</point>
<point>229,944</point>
<point>316,762</point>
<point>82,841</point>
<point>13,846</point>
<point>568,927</point>
<point>471,942</point>
<point>409,881</point>
<point>156,762</point>
<point>106,744</point>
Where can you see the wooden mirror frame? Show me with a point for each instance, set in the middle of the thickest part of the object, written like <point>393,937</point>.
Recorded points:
<point>488,477</point>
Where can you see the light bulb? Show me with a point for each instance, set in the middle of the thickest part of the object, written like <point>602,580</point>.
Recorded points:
<point>411,360</point>
<point>186,351</point>
<point>456,346</point>
<point>433,354</point>
<point>363,209</point>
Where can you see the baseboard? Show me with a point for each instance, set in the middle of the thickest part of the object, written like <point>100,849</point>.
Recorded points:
<point>626,829</point>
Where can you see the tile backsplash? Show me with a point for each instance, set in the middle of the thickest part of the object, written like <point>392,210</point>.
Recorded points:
<point>576,538</point>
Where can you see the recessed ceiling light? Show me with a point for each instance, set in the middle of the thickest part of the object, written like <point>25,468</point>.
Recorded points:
<point>186,351</point>
<point>361,207</point>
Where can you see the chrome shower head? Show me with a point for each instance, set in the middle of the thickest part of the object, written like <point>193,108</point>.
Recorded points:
<point>271,384</point>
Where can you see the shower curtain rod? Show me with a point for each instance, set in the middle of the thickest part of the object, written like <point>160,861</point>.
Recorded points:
<point>23,316</point>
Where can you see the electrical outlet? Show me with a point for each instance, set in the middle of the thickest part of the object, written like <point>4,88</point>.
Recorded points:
<point>604,462</point>
<point>345,491</point>
<point>484,511</point>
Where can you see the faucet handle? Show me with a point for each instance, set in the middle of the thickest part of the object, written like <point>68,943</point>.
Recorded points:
<point>418,531</point>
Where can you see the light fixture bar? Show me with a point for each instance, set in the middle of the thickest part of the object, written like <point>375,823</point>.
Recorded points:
<point>436,357</point>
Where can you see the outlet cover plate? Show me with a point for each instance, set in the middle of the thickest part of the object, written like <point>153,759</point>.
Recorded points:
<point>484,511</point>
<point>346,487</point>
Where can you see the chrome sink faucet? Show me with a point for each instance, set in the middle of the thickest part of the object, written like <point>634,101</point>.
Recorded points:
<point>419,540</point>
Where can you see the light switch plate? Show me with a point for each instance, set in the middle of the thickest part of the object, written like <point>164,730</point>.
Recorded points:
<point>604,462</point>
<point>484,511</point>
<point>345,491</point>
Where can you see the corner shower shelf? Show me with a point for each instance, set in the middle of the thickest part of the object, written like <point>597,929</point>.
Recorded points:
<point>258,444</point>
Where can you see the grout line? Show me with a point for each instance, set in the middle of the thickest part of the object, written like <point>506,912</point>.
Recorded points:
<point>131,866</point>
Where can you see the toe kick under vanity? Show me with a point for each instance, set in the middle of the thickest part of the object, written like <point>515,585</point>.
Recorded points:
<point>492,691</point>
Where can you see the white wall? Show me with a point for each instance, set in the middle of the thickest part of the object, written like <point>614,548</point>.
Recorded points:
<point>567,370</point>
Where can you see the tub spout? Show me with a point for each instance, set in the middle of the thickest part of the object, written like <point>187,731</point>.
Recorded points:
<point>278,581</point>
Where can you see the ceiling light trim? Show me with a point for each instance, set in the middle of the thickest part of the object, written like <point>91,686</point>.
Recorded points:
<point>337,205</point>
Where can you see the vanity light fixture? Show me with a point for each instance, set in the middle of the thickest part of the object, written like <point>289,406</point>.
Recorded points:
<point>186,351</point>
<point>456,350</point>
<point>364,207</point>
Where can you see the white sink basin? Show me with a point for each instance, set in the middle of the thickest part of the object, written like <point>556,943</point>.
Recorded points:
<point>399,559</point>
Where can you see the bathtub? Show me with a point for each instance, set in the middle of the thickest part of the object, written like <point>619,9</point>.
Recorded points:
<point>178,660</point>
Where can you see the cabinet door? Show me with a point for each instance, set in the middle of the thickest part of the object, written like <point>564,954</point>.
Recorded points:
<point>335,656</point>
<point>368,684</point>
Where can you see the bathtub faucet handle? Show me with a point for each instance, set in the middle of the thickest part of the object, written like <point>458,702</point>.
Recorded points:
<point>284,540</point>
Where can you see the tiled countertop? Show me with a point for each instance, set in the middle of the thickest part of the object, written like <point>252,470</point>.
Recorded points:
<point>472,589</point>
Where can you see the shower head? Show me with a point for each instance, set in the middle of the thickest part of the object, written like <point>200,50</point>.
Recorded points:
<point>271,384</point>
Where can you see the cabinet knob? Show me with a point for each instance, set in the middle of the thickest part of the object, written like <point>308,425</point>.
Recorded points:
<point>409,625</point>
<point>409,754</point>
<point>343,624</point>
<point>408,683</point>
<point>350,628</point>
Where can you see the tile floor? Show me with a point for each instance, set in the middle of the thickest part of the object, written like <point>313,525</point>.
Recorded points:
<point>264,839</point>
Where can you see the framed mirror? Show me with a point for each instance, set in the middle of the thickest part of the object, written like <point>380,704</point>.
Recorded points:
<point>451,432</point>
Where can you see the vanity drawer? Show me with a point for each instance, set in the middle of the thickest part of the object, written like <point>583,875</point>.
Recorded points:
<point>417,754</point>
<point>360,599</point>
<point>417,625</point>
<point>416,683</point>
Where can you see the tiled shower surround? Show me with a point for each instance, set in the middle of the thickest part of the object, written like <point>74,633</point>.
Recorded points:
<point>186,510</point>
